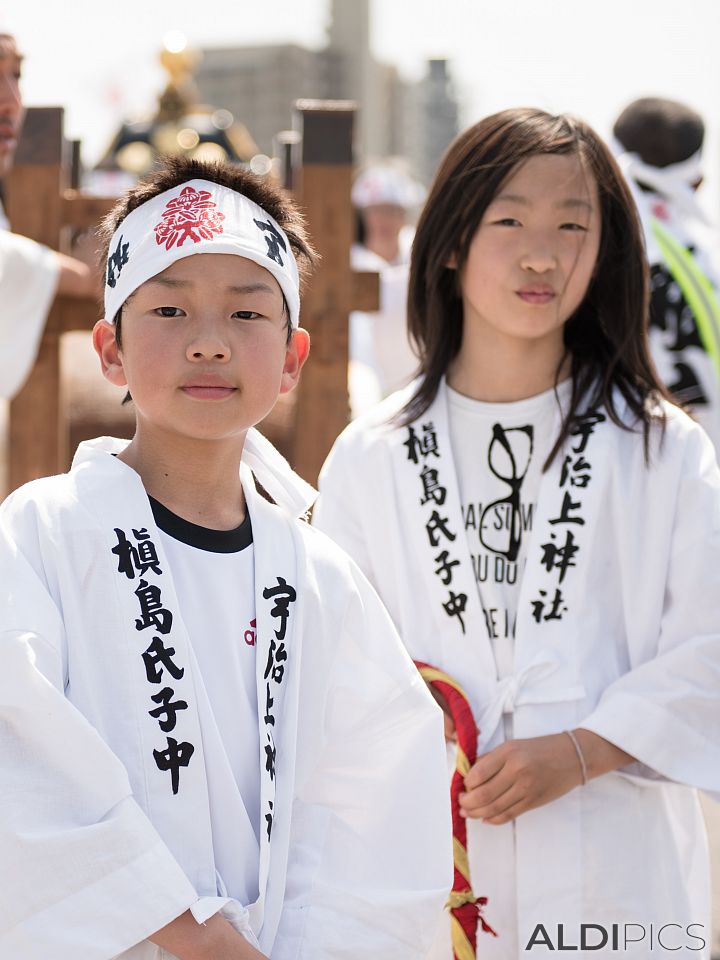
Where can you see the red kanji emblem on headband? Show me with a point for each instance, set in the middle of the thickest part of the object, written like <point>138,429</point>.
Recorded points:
<point>190,216</point>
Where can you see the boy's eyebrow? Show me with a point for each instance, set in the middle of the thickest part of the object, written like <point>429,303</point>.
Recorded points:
<point>257,287</point>
<point>569,203</point>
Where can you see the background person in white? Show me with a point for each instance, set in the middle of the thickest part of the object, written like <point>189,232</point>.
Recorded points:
<point>30,274</point>
<point>381,358</point>
<point>659,144</point>
<point>528,276</point>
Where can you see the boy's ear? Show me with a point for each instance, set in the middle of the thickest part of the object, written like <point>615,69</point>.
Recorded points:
<point>106,347</point>
<point>295,357</point>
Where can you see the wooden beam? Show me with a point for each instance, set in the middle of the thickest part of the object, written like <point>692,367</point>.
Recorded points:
<point>322,409</point>
<point>75,313</point>
<point>84,212</point>
<point>365,290</point>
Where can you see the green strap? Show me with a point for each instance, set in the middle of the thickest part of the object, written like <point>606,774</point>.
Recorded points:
<point>695,287</point>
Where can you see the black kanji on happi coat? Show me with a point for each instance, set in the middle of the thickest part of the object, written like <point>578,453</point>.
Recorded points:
<point>436,527</point>
<point>168,708</point>
<point>171,759</point>
<point>273,239</point>
<point>420,446</point>
<point>140,558</point>
<point>560,553</point>
<point>575,471</point>
<point>432,488</point>
<point>157,658</point>
<point>116,261</point>
<point>455,605</point>
<point>283,596</point>
<point>556,556</point>
<point>152,612</point>
<point>445,565</point>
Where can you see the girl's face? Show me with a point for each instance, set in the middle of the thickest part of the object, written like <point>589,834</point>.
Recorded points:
<point>532,257</point>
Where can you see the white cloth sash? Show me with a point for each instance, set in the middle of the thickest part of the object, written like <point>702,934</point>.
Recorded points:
<point>528,686</point>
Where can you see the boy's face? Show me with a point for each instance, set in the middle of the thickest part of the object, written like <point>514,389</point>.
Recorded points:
<point>204,348</point>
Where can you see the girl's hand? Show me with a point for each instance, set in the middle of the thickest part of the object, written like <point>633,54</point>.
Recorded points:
<point>523,774</point>
<point>518,776</point>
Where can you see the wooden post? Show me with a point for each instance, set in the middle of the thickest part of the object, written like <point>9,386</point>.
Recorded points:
<point>40,206</point>
<point>285,146</point>
<point>322,409</point>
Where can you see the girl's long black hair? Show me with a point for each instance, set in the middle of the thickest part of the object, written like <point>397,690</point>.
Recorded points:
<point>606,338</point>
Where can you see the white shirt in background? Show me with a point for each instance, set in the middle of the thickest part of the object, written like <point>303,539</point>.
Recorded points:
<point>28,280</point>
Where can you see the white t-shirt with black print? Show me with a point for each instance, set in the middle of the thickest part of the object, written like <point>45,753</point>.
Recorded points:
<point>499,450</point>
<point>214,576</point>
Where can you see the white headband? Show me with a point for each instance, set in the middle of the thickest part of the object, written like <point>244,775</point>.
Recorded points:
<point>674,182</point>
<point>196,217</point>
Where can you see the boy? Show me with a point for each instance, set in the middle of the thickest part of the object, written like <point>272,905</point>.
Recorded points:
<point>211,739</point>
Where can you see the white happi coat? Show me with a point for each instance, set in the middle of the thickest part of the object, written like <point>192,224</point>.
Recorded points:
<point>625,641</point>
<point>106,829</point>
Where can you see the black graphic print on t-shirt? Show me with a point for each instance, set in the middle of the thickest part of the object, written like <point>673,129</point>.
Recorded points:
<point>497,527</point>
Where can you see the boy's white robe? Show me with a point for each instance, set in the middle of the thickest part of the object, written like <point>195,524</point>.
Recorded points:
<point>636,659</point>
<point>96,851</point>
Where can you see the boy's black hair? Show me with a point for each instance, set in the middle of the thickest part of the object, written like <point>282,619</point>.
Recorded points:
<point>173,171</point>
<point>660,131</point>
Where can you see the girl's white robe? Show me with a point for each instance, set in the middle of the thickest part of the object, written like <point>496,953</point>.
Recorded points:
<point>634,658</point>
<point>96,851</point>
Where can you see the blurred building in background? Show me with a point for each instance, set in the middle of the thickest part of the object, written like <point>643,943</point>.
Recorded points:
<point>435,110</point>
<point>258,85</point>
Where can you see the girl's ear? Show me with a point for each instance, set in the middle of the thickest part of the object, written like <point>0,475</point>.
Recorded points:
<point>451,262</point>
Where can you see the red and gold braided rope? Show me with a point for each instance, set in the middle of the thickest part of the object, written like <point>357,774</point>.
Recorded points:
<point>465,908</point>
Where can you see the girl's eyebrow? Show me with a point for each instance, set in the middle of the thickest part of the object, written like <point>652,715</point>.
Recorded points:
<point>569,203</point>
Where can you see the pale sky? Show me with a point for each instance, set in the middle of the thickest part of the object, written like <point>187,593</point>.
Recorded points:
<point>99,60</point>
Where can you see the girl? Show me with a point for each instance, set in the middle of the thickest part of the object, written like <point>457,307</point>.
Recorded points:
<point>544,525</point>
